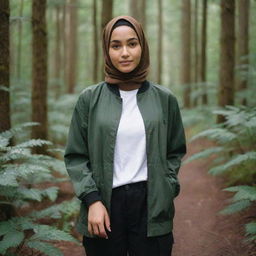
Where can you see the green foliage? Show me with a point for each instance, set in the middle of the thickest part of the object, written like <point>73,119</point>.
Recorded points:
<point>235,155</point>
<point>21,173</point>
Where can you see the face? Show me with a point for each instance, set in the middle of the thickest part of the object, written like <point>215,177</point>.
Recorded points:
<point>124,49</point>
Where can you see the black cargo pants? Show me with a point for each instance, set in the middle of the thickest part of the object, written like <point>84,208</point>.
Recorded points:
<point>128,222</point>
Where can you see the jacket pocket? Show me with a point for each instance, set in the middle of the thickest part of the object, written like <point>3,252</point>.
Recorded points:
<point>162,201</point>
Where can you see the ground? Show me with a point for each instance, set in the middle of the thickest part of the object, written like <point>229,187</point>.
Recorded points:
<point>198,228</point>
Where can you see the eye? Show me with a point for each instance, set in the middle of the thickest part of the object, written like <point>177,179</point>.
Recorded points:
<point>115,46</point>
<point>133,44</point>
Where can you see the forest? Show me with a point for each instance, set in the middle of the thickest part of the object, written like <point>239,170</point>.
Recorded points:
<point>204,51</point>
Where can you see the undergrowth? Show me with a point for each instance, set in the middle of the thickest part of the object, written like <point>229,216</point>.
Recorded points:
<point>235,157</point>
<point>21,173</point>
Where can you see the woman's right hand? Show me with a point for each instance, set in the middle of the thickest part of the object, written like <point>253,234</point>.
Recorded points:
<point>98,219</point>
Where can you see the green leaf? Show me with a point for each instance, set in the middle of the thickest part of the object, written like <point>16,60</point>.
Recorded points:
<point>250,228</point>
<point>5,227</point>
<point>31,194</point>
<point>243,192</point>
<point>48,233</point>
<point>204,154</point>
<point>51,193</point>
<point>11,239</point>
<point>221,135</point>
<point>237,160</point>
<point>236,207</point>
<point>45,248</point>
<point>33,143</point>
<point>8,178</point>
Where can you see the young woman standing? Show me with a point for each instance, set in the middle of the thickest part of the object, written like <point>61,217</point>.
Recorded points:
<point>124,150</point>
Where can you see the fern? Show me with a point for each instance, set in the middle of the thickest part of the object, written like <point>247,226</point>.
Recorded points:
<point>12,239</point>
<point>237,160</point>
<point>220,135</point>
<point>206,153</point>
<point>48,233</point>
<point>19,171</point>
<point>243,193</point>
<point>236,207</point>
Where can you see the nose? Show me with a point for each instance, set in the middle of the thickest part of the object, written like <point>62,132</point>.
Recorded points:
<point>125,52</point>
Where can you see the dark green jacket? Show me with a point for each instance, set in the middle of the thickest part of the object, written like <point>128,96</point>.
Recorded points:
<point>89,154</point>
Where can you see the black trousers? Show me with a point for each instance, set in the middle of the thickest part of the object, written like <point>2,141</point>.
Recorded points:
<point>128,222</point>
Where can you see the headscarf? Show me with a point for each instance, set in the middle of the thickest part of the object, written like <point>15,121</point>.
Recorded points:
<point>113,75</point>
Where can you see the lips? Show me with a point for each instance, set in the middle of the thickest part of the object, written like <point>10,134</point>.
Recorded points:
<point>127,62</point>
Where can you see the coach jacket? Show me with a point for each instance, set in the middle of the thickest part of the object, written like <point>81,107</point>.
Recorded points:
<point>89,153</point>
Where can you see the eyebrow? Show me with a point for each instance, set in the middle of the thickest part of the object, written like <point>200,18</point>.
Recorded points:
<point>130,39</point>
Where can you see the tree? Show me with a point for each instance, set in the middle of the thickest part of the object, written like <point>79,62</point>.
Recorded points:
<point>227,56</point>
<point>195,78</point>
<point>39,72</point>
<point>95,43</point>
<point>203,53</point>
<point>160,42</point>
<point>243,42</point>
<point>186,51</point>
<point>72,45</point>
<point>106,16</point>
<point>19,41</point>
<point>57,51</point>
<point>5,122</point>
<point>137,10</point>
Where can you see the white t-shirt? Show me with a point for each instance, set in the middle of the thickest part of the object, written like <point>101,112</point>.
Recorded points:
<point>130,159</point>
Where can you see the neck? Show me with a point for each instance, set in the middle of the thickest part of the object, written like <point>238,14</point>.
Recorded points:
<point>128,86</point>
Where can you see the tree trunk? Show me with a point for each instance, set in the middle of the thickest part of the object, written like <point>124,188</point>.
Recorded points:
<point>39,72</point>
<point>203,54</point>
<point>5,122</point>
<point>186,51</point>
<point>64,37</point>
<point>95,43</point>
<point>195,101</point>
<point>19,41</point>
<point>72,46</point>
<point>106,16</point>
<point>243,43</point>
<point>227,56</point>
<point>160,42</point>
<point>57,53</point>
<point>137,10</point>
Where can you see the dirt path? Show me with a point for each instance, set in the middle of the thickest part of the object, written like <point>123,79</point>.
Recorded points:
<point>198,230</point>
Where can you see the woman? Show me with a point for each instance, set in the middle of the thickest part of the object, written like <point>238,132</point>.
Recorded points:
<point>124,150</point>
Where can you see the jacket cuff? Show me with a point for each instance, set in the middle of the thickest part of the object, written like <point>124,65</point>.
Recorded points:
<point>90,198</point>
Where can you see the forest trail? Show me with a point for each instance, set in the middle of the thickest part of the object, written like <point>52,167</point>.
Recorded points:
<point>198,230</point>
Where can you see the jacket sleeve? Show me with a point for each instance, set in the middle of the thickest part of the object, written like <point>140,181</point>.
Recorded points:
<point>76,155</point>
<point>176,146</point>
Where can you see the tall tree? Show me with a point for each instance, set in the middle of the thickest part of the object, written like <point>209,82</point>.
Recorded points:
<point>64,39</point>
<point>203,53</point>
<point>186,51</point>
<point>243,41</point>
<point>227,56</point>
<point>106,16</point>
<point>137,10</point>
<point>19,41</point>
<point>39,72</point>
<point>57,52</point>
<point>95,42</point>
<point>195,78</point>
<point>5,122</point>
<point>160,42</point>
<point>72,45</point>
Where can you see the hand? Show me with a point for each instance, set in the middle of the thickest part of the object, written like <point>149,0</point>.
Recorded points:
<point>98,219</point>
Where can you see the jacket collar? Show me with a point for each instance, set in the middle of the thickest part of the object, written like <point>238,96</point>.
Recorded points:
<point>114,88</point>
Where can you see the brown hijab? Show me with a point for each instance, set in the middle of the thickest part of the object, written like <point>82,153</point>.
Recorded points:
<point>139,74</point>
